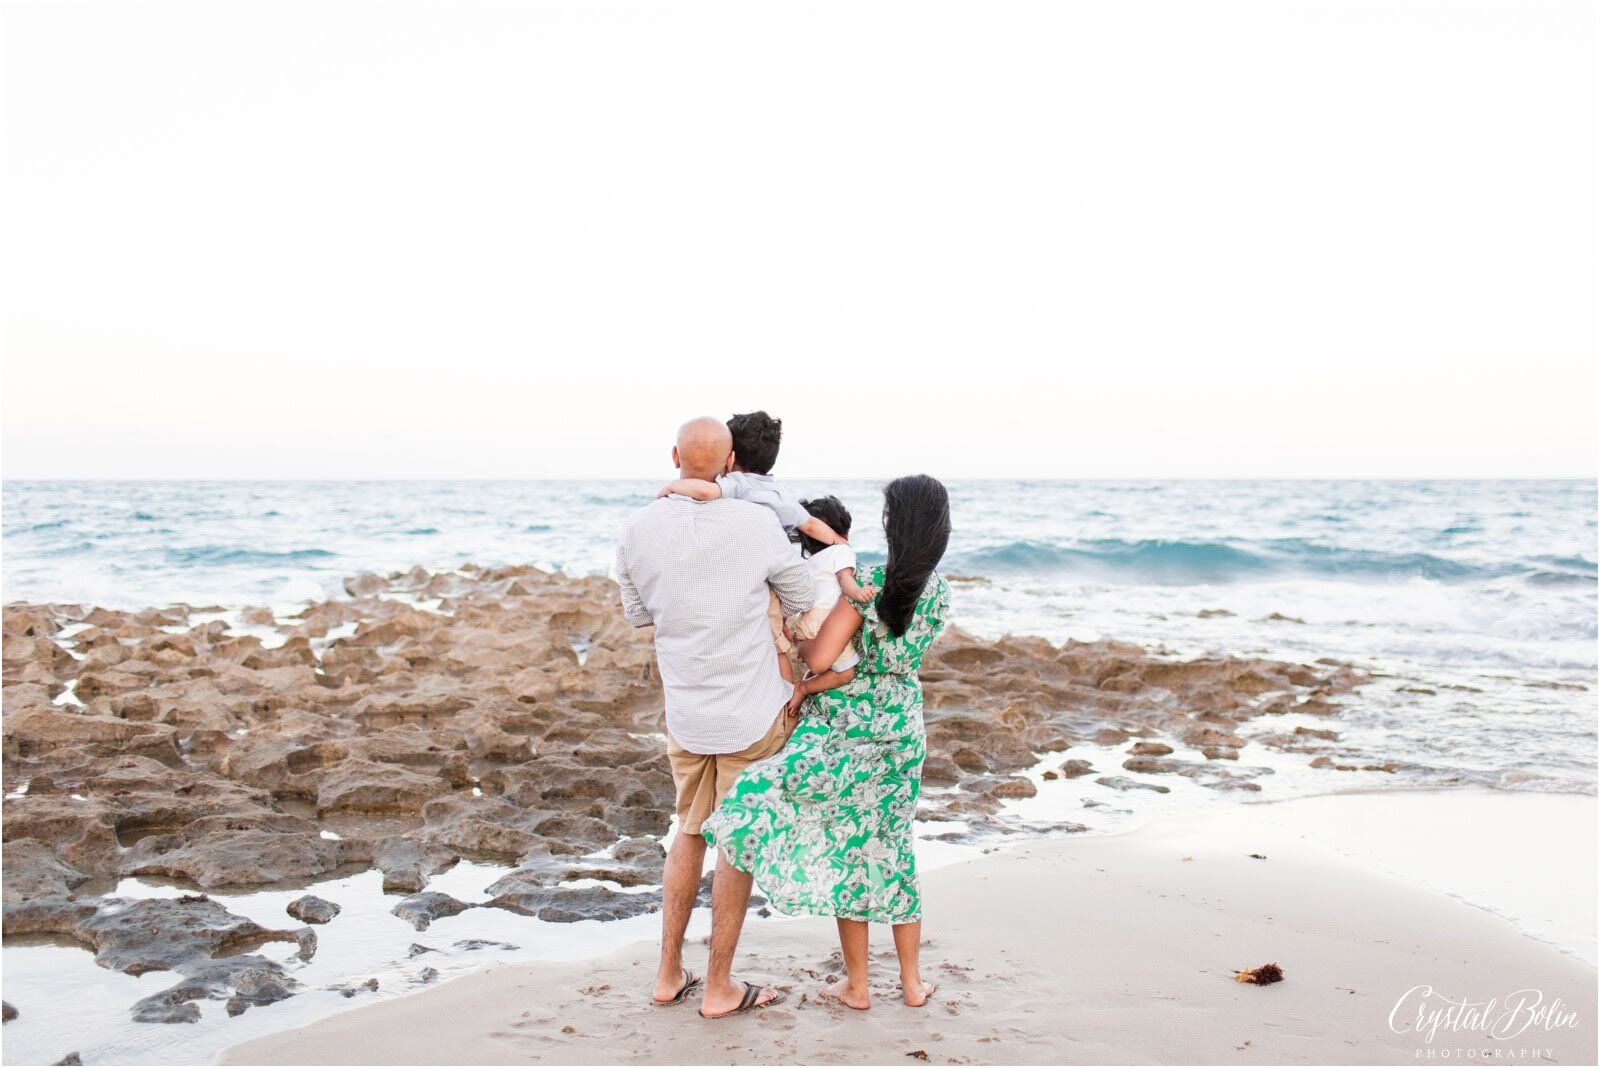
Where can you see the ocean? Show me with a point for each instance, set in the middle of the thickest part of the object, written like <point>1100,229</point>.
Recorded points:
<point>1473,603</point>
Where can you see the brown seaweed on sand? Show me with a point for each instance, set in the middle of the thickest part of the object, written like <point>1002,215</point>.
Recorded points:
<point>1265,975</point>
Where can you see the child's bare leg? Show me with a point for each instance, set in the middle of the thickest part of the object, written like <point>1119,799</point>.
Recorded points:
<point>785,666</point>
<point>852,989</point>
<point>908,947</point>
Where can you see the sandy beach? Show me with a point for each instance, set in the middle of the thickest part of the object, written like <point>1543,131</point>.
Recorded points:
<point>1118,949</point>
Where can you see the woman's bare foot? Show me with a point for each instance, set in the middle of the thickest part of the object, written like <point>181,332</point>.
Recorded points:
<point>916,992</point>
<point>845,994</point>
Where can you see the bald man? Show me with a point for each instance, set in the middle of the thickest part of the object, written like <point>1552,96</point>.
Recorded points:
<point>699,572</point>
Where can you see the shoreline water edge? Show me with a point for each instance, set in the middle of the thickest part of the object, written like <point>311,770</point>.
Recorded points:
<point>475,752</point>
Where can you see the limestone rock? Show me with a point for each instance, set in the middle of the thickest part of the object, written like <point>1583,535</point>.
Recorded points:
<point>1119,782</point>
<point>312,909</point>
<point>419,910</point>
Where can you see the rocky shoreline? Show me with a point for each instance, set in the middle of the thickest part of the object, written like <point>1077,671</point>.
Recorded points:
<point>505,715</point>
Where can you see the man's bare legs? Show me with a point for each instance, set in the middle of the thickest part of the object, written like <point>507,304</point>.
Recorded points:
<point>680,883</point>
<point>852,989</point>
<point>908,947</point>
<point>730,897</point>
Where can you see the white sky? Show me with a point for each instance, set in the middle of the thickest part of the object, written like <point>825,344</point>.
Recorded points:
<point>985,238</point>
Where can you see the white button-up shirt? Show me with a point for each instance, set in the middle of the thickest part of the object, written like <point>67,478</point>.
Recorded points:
<point>699,571</point>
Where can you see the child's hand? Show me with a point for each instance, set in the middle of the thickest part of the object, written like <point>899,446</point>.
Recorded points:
<point>862,594</point>
<point>666,490</point>
<point>796,699</point>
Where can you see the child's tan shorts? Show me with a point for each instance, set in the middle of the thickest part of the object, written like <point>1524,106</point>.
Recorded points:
<point>804,626</point>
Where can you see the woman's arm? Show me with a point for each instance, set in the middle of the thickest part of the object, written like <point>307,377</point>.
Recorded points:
<point>698,488</point>
<point>833,637</point>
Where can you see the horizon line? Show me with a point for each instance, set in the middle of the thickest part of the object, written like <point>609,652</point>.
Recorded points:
<point>805,478</point>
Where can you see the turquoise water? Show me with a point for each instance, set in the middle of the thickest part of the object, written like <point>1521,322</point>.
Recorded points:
<point>1483,592</point>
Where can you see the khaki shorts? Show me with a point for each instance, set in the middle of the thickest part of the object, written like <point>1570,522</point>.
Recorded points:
<point>704,779</point>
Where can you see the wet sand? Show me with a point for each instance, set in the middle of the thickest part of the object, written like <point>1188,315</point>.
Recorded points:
<point>1116,949</point>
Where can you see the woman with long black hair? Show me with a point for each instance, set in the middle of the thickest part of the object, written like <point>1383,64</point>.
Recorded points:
<point>824,826</point>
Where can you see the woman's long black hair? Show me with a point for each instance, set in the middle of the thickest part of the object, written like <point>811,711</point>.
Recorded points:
<point>916,522</point>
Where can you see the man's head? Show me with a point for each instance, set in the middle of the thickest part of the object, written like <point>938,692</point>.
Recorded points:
<point>704,448</point>
<point>756,436</point>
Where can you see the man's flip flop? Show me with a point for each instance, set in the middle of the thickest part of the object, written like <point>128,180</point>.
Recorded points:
<point>690,981</point>
<point>748,1003</point>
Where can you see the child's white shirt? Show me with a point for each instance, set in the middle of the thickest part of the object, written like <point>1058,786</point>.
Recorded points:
<point>825,566</point>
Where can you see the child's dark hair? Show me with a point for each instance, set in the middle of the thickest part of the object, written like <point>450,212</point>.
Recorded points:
<point>830,510</point>
<point>756,436</point>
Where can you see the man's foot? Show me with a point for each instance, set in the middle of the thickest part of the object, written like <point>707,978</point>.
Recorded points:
<point>845,994</point>
<point>674,989</point>
<point>916,992</point>
<point>734,998</point>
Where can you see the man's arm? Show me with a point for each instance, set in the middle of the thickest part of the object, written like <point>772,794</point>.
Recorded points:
<point>787,574</point>
<point>633,609</point>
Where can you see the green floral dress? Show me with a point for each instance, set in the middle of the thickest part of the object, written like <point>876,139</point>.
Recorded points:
<point>824,825</point>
